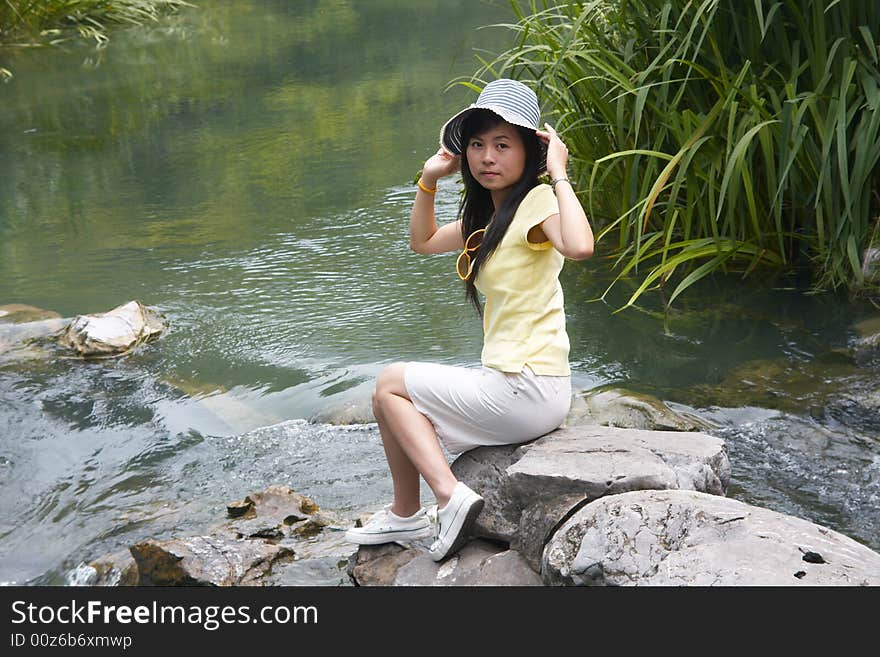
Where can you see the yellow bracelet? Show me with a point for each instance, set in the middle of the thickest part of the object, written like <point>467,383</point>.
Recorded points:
<point>426,189</point>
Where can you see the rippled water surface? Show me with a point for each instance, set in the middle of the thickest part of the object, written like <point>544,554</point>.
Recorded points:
<point>247,169</point>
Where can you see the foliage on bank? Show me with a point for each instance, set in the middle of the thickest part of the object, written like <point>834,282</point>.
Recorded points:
<point>713,135</point>
<point>31,23</point>
<point>38,22</point>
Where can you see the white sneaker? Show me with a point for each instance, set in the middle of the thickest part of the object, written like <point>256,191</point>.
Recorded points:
<point>386,527</point>
<point>455,521</point>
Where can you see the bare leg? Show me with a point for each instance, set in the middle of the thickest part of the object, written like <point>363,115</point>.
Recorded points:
<point>403,472</point>
<point>411,444</point>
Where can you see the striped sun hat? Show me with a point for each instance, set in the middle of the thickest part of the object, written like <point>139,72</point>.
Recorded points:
<point>512,101</point>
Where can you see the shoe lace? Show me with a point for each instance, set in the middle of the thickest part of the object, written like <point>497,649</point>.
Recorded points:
<point>434,517</point>
<point>432,514</point>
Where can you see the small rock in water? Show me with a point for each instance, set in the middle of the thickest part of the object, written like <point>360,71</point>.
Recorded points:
<point>871,265</point>
<point>82,575</point>
<point>866,347</point>
<point>352,411</point>
<point>114,332</point>
<point>117,569</point>
<point>617,407</point>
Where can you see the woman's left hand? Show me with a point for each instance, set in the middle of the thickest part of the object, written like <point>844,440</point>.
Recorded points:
<point>557,152</point>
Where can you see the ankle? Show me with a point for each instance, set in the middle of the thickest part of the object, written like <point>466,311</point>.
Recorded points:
<point>443,496</point>
<point>404,510</point>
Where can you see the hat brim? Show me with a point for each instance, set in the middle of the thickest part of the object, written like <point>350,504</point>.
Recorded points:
<point>451,138</point>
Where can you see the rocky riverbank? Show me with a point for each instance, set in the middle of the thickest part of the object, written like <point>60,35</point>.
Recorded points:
<point>582,505</point>
<point>606,506</point>
<point>274,537</point>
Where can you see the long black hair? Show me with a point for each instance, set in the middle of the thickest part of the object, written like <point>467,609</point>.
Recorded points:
<point>477,210</point>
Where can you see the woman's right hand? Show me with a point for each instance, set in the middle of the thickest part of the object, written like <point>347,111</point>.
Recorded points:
<point>440,165</point>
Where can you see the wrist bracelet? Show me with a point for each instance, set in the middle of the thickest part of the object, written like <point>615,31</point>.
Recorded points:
<point>558,180</point>
<point>426,189</point>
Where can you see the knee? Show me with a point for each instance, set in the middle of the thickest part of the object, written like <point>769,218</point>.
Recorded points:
<point>389,382</point>
<point>375,402</point>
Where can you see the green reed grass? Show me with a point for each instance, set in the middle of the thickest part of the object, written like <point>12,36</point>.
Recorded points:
<point>713,135</point>
<point>38,22</point>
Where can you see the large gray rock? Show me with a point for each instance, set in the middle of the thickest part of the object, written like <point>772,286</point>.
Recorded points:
<point>479,563</point>
<point>617,407</point>
<point>273,537</point>
<point>205,561</point>
<point>114,332</point>
<point>530,489</point>
<point>485,470</point>
<point>677,537</point>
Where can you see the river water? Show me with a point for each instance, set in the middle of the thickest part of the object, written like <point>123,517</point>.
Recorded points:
<point>247,169</point>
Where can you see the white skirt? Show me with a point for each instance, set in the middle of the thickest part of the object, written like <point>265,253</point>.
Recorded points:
<point>472,407</point>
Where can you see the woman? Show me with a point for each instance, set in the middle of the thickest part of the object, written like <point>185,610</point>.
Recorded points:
<point>513,234</point>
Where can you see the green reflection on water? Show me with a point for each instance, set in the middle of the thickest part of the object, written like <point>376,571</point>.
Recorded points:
<point>172,164</point>
<point>246,167</point>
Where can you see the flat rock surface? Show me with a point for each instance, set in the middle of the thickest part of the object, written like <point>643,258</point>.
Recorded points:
<point>479,563</point>
<point>607,460</point>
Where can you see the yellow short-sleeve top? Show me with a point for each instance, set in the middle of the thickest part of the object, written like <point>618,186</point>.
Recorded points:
<point>524,317</point>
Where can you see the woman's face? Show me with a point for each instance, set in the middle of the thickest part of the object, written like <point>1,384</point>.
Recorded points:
<point>497,157</point>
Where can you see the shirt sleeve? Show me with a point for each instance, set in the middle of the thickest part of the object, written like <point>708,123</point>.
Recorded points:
<point>542,203</point>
